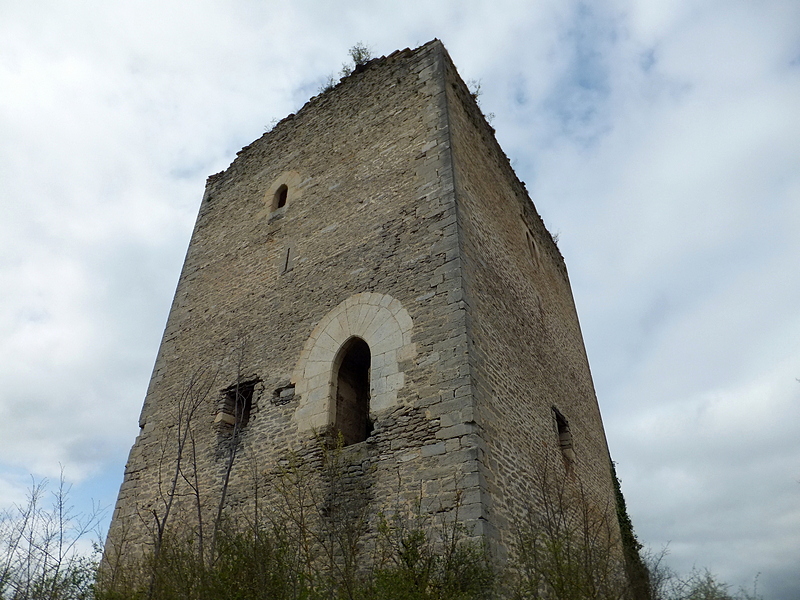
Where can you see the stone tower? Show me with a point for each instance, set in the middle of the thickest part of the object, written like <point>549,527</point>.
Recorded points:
<point>371,266</point>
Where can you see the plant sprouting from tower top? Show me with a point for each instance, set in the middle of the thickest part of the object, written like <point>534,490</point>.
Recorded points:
<point>360,54</point>
<point>474,86</point>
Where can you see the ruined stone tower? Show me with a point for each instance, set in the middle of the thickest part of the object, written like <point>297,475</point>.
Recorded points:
<point>373,267</point>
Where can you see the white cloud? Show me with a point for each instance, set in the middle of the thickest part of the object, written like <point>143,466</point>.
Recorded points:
<point>660,139</point>
<point>727,464</point>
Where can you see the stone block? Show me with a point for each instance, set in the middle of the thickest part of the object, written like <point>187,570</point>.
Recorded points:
<point>455,431</point>
<point>433,449</point>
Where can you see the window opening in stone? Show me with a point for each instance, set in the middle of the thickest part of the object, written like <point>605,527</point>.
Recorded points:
<point>287,260</point>
<point>279,201</point>
<point>236,404</point>
<point>564,437</point>
<point>532,247</point>
<point>352,392</point>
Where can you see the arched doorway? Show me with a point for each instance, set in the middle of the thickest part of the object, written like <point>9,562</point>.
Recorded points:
<point>352,391</point>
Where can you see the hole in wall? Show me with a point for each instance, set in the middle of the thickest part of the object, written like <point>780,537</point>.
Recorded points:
<point>352,392</point>
<point>564,437</point>
<point>236,404</point>
<point>281,195</point>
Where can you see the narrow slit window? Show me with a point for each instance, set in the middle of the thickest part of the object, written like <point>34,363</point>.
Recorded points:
<point>533,248</point>
<point>287,260</point>
<point>564,437</point>
<point>530,242</point>
<point>352,392</point>
<point>279,201</point>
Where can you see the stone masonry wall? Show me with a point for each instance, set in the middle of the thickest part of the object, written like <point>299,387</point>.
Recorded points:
<point>526,351</point>
<point>370,209</point>
<point>405,226</point>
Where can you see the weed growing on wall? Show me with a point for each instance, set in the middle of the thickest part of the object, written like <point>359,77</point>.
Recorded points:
<point>310,543</point>
<point>569,547</point>
<point>360,55</point>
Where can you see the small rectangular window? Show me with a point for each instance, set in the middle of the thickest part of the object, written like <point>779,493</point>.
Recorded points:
<point>236,404</point>
<point>564,437</point>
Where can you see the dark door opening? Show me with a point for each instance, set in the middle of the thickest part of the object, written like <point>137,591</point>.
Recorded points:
<point>352,392</point>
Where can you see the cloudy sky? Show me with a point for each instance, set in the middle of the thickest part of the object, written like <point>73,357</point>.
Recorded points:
<point>659,138</point>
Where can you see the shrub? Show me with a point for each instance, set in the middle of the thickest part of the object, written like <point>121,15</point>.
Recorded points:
<point>40,555</point>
